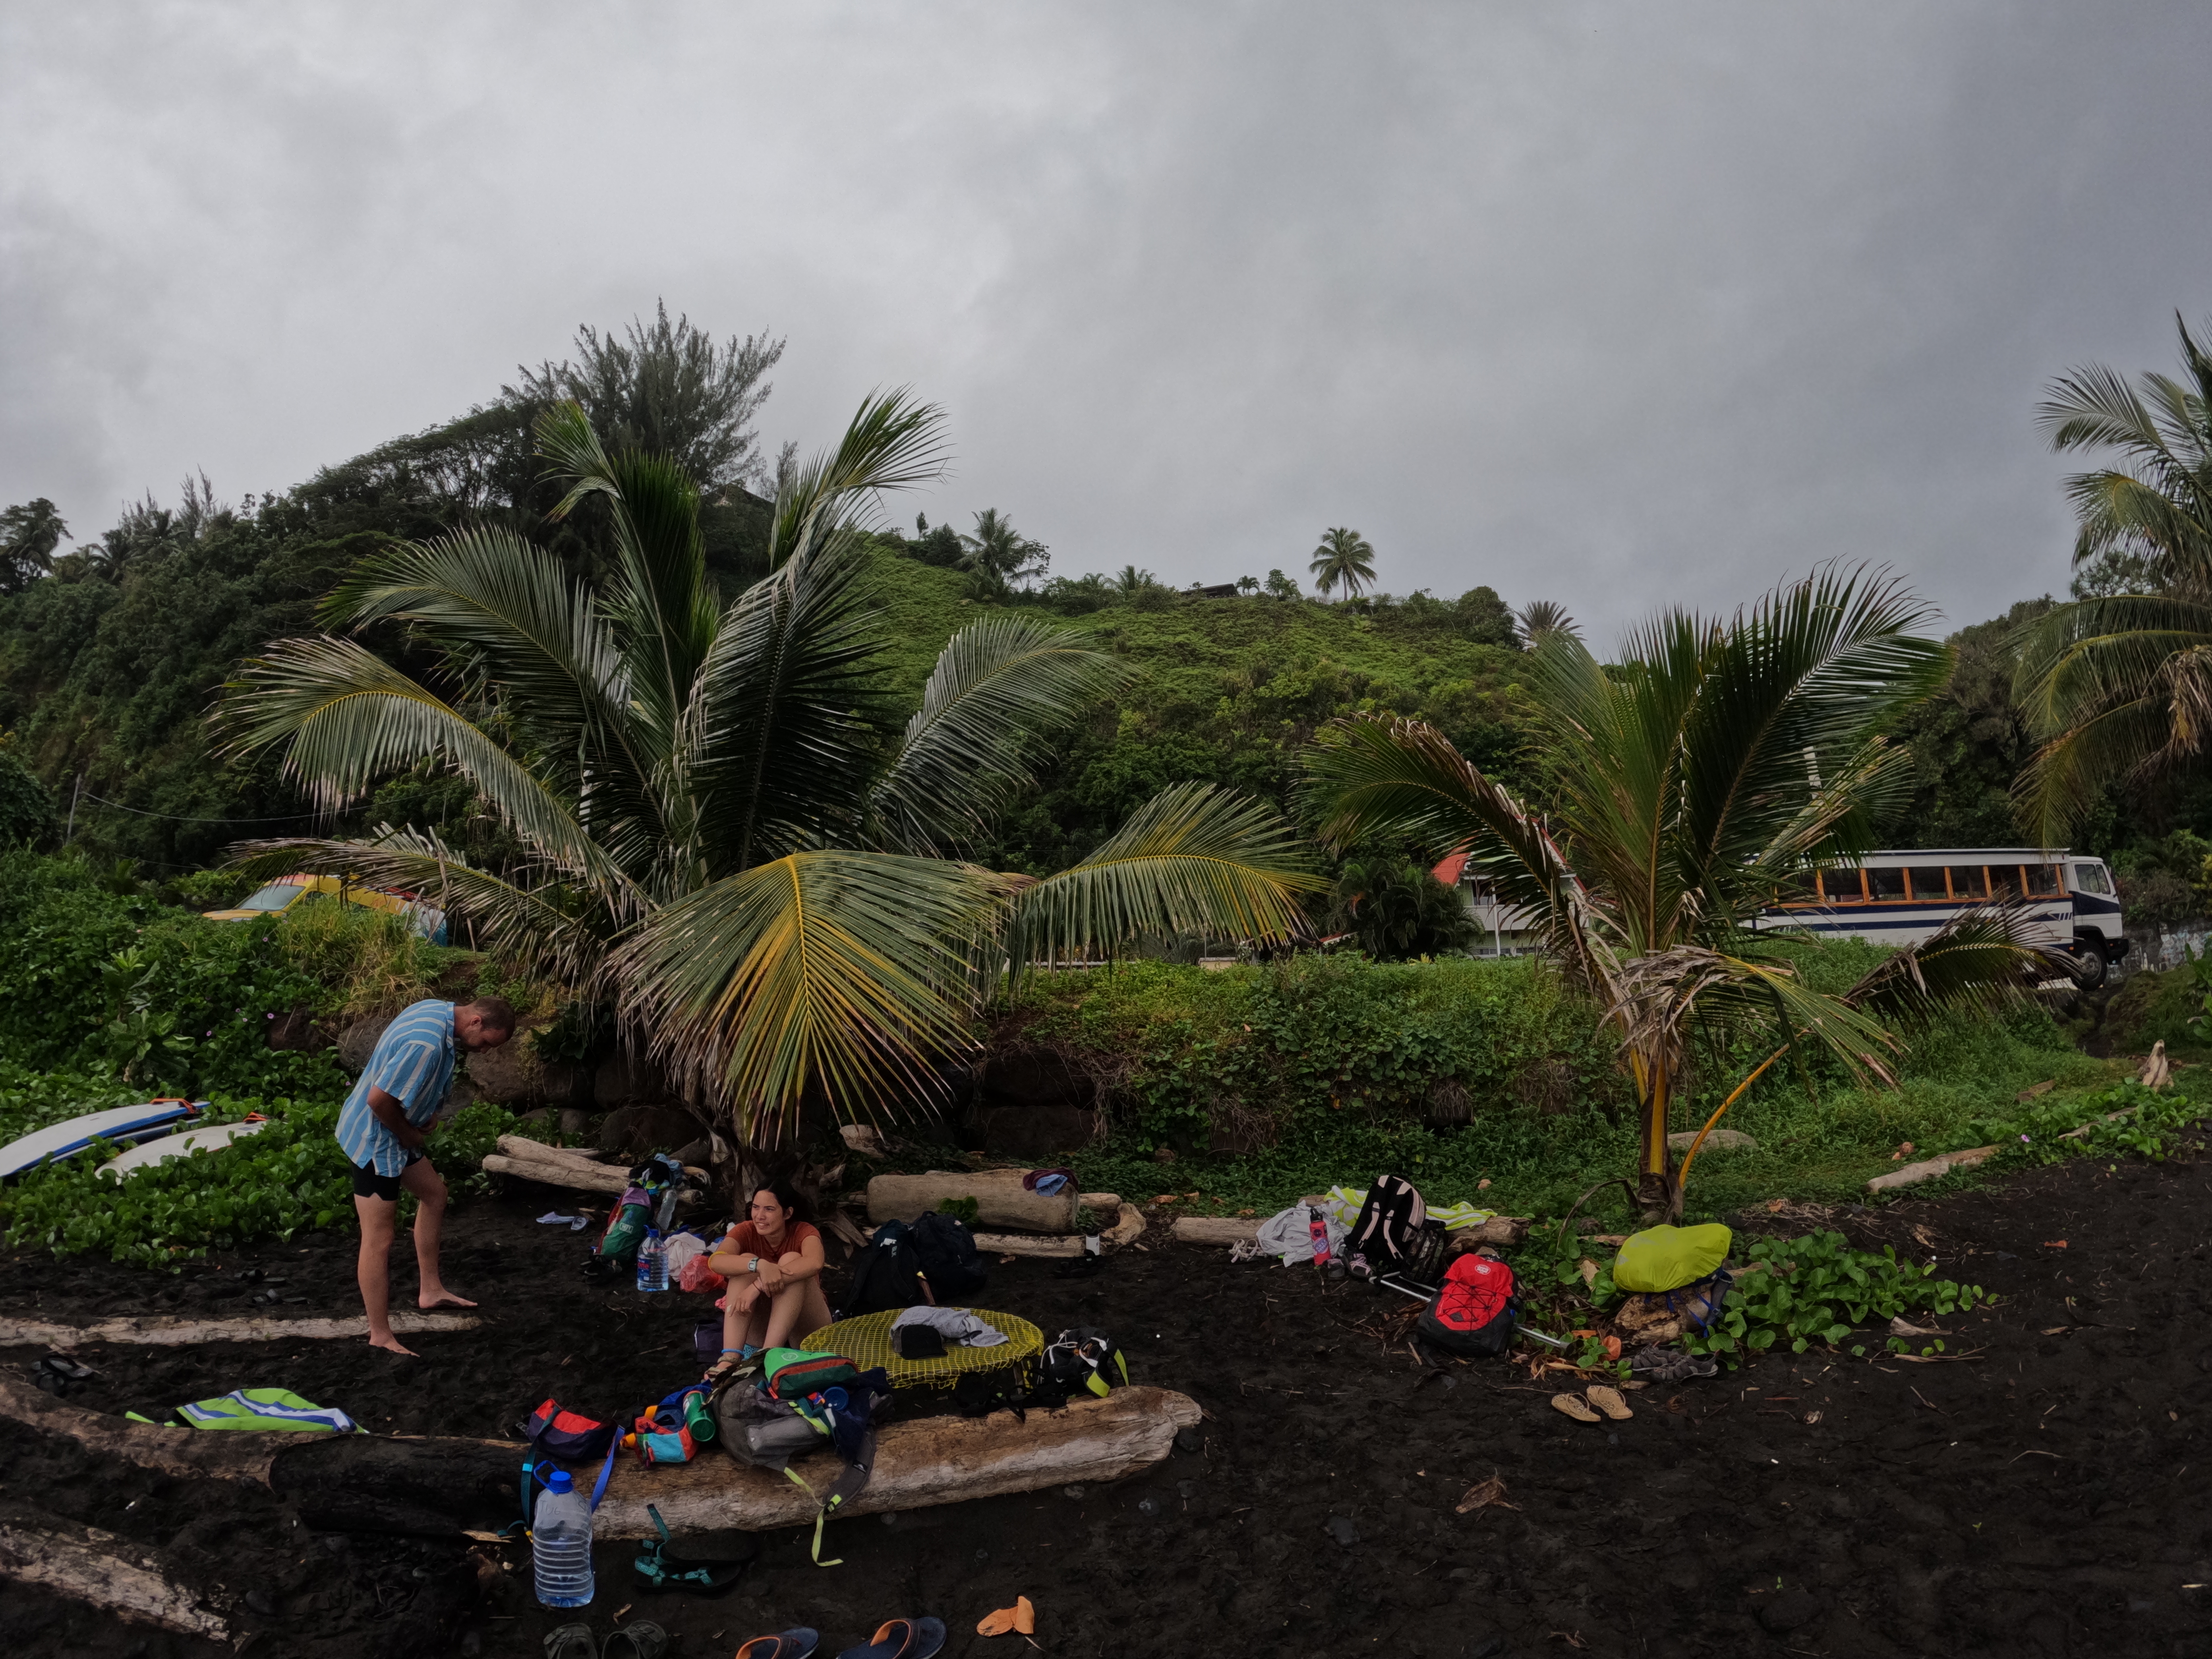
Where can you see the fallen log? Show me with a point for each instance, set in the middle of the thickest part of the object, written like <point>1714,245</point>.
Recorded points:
<point>937,1459</point>
<point>524,1146</point>
<point>999,1202</point>
<point>1031,1245</point>
<point>1212,1229</point>
<point>105,1571</point>
<point>1929,1168</point>
<point>1126,1231</point>
<point>400,1486</point>
<point>187,1333</point>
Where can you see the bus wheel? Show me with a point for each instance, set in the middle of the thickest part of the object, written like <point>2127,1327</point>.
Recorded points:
<point>2088,963</point>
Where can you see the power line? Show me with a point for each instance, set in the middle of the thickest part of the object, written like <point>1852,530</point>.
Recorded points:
<point>180,818</point>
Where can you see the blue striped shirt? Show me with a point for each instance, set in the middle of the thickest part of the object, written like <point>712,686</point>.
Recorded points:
<point>413,1062</point>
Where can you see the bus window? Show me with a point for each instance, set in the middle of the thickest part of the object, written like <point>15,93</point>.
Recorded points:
<point>1842,887</point>
<point>2043,881</point>
<point>1927,881</point>
<point>1801,888</point>
<point>1885,884</point>
<point>1967,882</point>
<point>2004,880</point>
<point>2091,878</point>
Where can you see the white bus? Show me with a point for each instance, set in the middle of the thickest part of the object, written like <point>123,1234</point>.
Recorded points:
<point>1893,898</point>
<point>1904,897</point>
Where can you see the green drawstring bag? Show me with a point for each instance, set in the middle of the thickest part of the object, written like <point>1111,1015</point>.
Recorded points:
<point>1667,1258</point>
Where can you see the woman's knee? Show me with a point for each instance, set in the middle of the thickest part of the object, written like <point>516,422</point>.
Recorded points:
<point>791,1259</point>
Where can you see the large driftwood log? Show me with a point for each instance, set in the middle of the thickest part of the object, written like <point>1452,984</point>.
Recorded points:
<point>524,1146</point>
<point>999,1202</point>
<point>184,1333</point>
<point>576,1176</point>
<point>1212,1229</point>
<point>1031,1245</point>
<point>1929,1168</point>
<point>401,1485</point>
<point>104,1572</point>
<point>937,1459</point>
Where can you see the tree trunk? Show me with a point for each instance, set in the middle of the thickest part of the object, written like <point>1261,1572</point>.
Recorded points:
<point>190,1332</point>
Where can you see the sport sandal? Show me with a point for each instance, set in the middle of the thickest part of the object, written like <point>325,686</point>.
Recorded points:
<point>901,1639</point>
<point>571,1641</point>
<point>639,1640</point>
<point>798,1642</point>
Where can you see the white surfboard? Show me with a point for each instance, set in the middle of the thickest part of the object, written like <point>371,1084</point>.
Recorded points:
<point>66,1139</point>
<point>147,1153</point>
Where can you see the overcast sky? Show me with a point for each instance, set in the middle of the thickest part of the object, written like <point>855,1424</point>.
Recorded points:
<point>1615,305</point>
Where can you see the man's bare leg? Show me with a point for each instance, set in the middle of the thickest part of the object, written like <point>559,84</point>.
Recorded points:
<point>374,1269</point>
<point>429,1189</point>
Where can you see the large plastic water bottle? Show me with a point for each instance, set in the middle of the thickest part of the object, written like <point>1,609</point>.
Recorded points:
<point>652,1263</point>
<point>561,1544</point>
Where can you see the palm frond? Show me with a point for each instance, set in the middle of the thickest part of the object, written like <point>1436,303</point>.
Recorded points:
<point>346,717</point>
<point>1193,860</point>
<point>1000,692</point>
<point>845,974</point>
<point>893,442</point>
<point>1982,961</point>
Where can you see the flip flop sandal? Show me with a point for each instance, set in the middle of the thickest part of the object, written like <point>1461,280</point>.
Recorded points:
<point>901,1639</point>
<point>1609,1401</point>
<point>795,1643</point>
<point>1573,1407</point>
<point>571,1641</point>
<point>640,1638</point>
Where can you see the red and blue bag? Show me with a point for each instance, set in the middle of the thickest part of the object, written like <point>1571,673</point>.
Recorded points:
<point>568,1437</point>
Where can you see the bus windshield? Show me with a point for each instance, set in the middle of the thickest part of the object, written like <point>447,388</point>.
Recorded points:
<point>275,896</point>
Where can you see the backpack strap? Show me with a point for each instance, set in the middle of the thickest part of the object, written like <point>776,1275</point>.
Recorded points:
<point>821,1516</point>
<point>599,1490</point>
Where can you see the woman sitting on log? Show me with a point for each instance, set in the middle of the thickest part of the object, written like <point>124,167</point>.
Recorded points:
<point>774,1265</point>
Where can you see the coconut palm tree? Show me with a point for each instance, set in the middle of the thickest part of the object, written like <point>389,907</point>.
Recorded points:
<point>2119,686</point>
<point>997,555</point>
<point>726,836</point>
<point>1718,760</point>
<point>1345,559</point>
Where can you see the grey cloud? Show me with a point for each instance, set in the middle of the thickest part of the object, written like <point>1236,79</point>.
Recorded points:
<point>1611,304</point>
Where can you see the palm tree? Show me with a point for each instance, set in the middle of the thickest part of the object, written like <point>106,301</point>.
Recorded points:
<point>1132,582</point>
<point>1344,558</point>
<point>2119,685</point>
<point>997,555</point>
<point>727,837</point>
<point>1690,783</point>
<point>1541,617</point>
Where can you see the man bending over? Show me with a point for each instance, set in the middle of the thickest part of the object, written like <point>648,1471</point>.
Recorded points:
<point>384,1129</point>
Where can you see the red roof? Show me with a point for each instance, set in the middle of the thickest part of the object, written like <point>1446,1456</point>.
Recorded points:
<point>1449,869</point>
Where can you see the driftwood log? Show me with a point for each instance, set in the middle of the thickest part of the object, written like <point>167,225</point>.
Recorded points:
<point>182,1333</point>
<point>1212,1229</point>
<point>936,1460</point>
<point>999,1202</point>
<point>105,1572</point>
<point>444,1487</point>
<point>1929,1168</point>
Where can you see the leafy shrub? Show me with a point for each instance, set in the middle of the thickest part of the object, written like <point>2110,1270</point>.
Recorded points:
<point>1819,1289</point>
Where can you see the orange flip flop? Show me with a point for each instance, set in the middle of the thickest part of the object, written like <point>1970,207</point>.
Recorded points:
<point>1021,1617</point>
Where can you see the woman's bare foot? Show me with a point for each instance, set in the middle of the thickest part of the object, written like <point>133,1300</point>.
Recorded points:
<point>442,1299</point>
<point>392,1345</point>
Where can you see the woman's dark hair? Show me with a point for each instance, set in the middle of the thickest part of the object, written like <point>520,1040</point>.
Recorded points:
<point>786,1193</point>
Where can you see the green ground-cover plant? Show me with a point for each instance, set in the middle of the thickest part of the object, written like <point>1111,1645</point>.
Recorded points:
<point>1818,1289</point>
<point>286,1178</point>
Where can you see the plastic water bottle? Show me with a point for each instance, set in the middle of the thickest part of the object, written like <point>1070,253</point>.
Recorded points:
<point>652,1263</point>
<point>561,1544</point>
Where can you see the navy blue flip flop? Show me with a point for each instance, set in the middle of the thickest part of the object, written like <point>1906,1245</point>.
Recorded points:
<point>901,1639</point>
<point>798,1642</point>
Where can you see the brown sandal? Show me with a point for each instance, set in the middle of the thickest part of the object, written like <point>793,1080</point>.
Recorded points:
<point>1609,1401</point>
<point>1573,1407</point>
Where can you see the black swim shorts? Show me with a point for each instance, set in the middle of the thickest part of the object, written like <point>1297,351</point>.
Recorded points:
<point>367,1183</point>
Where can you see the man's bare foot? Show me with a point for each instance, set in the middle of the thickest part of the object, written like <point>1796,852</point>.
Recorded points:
<point>392,1345</point>
<point>441,1298</point>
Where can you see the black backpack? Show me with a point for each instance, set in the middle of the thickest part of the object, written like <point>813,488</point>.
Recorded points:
<point>1386,1224</point>
<point>887,1274</point>
<point>948,1253</point>
<point>1474,1314</point>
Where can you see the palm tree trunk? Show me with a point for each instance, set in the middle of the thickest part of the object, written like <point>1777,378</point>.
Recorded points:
<point>1656,1189</point>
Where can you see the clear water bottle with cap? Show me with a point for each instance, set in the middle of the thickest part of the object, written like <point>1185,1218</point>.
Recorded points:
<point>560,1543</point>
<point>652,1263</point>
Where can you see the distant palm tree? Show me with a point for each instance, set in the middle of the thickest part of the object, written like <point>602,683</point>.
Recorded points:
<point>1541,617</point>
<point>997,555</point>
<point>1133,581</point>
<point>2120,684</point>
<point>723,835</point>
<point>1345,558</point>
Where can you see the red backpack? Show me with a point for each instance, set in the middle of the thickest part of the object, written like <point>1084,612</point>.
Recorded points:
<point>1473,1316</point>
